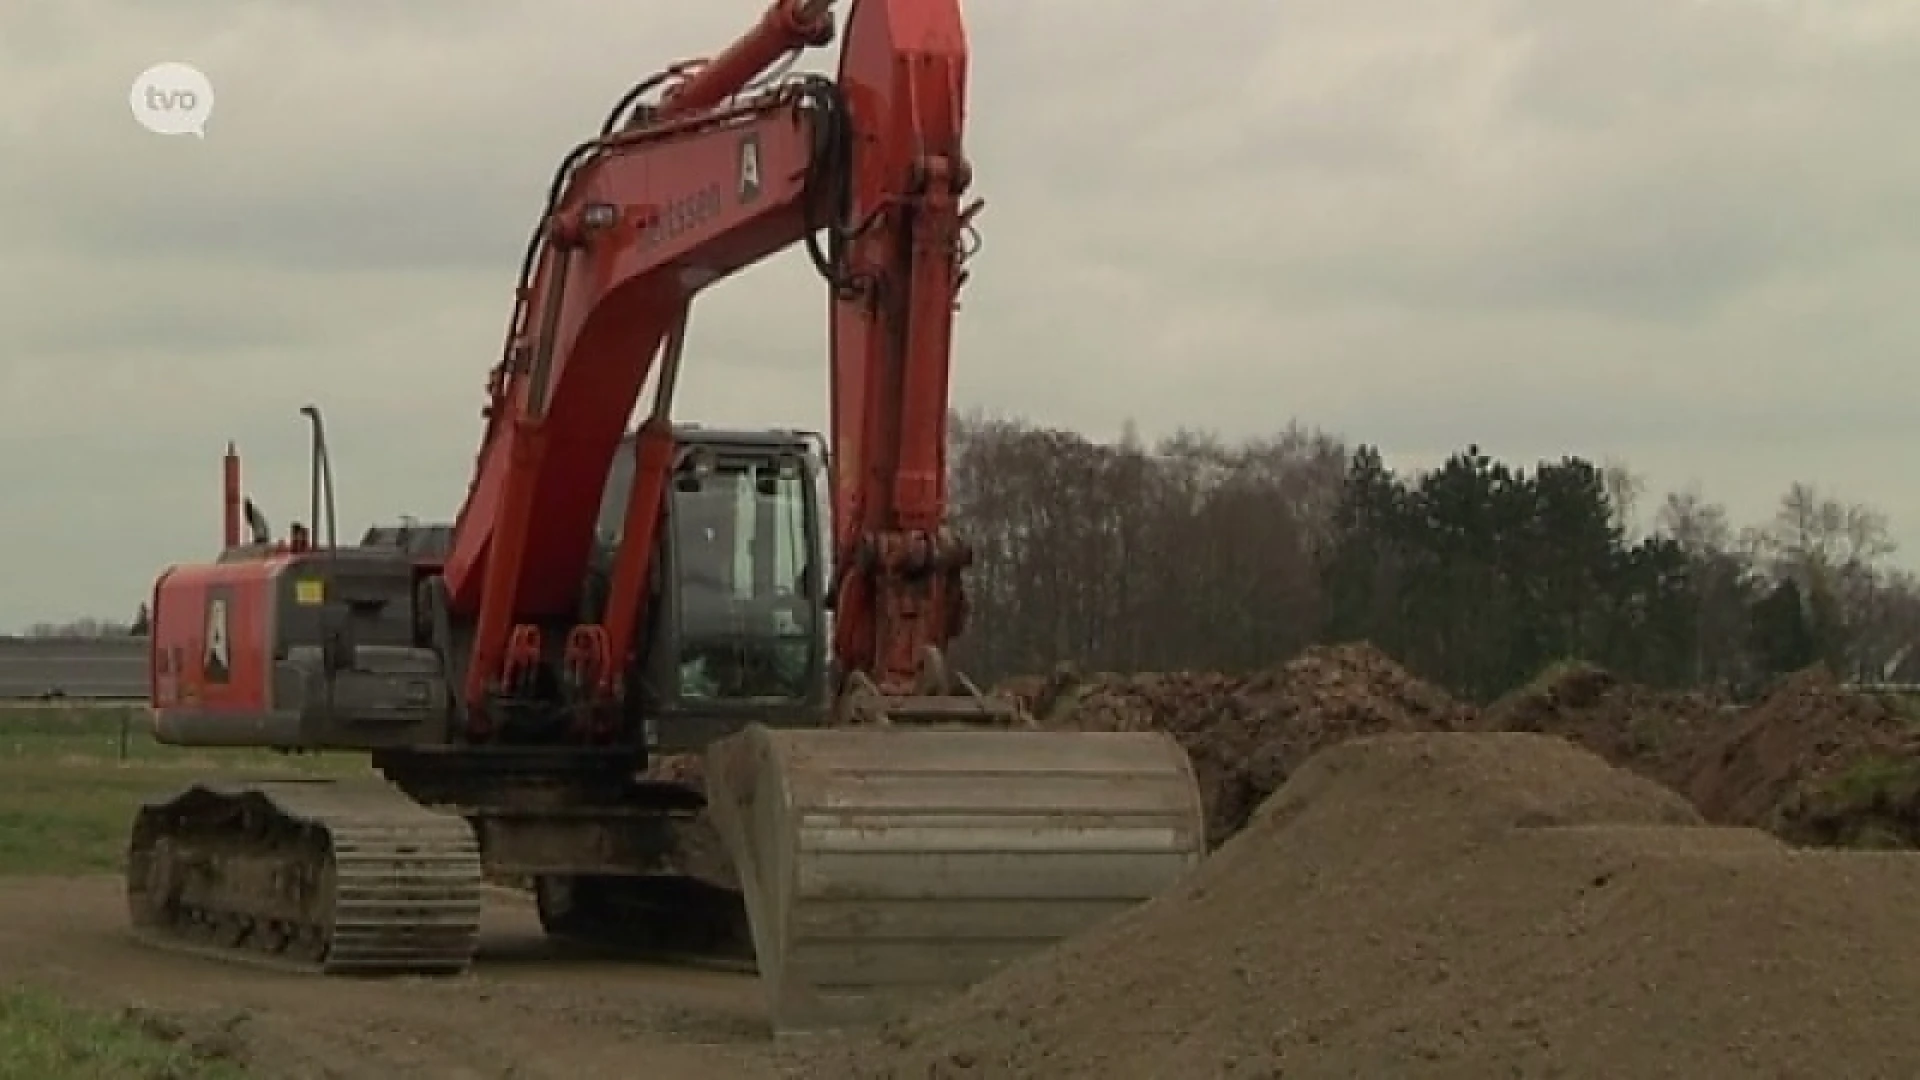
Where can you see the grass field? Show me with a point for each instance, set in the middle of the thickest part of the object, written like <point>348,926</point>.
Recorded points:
<point>42,1038</point>
<point>70,780</point>
<point>69,785</point>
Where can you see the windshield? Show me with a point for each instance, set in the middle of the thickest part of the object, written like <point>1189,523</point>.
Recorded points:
<point>740,545</point>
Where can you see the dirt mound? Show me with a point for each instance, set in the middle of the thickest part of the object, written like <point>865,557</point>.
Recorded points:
<point>1465,905</point>
<point>1816,764</point>
<point>1655,733</point>
<point>1247,733</point>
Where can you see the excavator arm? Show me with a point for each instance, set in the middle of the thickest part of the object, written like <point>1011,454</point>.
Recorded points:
<point>867,170</point>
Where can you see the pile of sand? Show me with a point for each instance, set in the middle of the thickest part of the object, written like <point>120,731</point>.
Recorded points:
<point>1656,733</point>
<point>1247,733</point>
<point>1464,905</point>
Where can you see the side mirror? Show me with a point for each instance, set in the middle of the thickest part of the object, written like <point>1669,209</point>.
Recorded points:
<point>257,524</point>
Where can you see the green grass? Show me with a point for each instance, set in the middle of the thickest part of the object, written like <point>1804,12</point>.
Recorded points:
<point>1554,671</point>
<point>1877,779</point>
<point>1873,804</point>
<point>43,1038</point>
<point>69,785</point>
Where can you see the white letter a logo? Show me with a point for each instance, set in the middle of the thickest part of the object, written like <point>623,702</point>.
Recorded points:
<point>218,661</point>
<point>749,168</point>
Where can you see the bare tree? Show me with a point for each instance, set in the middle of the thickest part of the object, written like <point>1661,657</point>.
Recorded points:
<point>1624,488</point>
<point>1698,526</point>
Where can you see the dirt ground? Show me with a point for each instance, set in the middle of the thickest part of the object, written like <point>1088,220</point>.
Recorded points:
<point>1816,765</point>
<point>1587,878</point>
<point>1462,906</point>
<point>527,1010</point>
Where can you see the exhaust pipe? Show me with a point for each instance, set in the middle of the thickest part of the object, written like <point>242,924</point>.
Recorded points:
<point>230,498</point>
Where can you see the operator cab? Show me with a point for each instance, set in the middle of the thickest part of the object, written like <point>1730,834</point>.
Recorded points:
<point>740,634</point>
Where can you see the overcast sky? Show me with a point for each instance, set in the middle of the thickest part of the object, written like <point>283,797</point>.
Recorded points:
<point>1680,234</point>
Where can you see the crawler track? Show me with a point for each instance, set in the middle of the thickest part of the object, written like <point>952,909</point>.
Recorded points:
<point>330,877</point>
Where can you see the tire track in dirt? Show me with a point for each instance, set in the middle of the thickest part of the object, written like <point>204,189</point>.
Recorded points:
<point>527,1010</point>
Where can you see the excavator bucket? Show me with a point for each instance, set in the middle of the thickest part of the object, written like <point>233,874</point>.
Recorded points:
<point>885,866</point>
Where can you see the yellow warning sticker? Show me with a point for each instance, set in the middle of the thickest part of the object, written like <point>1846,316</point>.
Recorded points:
<point>309,593</point>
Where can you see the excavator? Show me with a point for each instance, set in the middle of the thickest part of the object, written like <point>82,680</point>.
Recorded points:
<point>689,683</point>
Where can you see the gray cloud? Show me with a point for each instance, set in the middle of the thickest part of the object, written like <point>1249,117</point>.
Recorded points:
<point>1675,233</point>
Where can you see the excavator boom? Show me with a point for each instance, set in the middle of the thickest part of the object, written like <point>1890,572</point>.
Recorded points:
<point>868,171</point>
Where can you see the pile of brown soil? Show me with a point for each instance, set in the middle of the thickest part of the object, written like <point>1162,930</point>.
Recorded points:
<point>1463,905</point>
<point>1817,765</point>
<point>1656,733</point>
<point>1247,733</point>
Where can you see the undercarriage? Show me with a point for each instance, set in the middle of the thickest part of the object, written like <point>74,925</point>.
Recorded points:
<point>363,876</point>
<point>859,871</point>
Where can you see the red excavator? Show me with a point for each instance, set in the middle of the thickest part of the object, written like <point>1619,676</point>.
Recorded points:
<point>629,672</point>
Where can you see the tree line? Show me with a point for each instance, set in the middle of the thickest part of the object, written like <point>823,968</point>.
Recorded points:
<point>1195,553</point>
<point>90,627</point>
